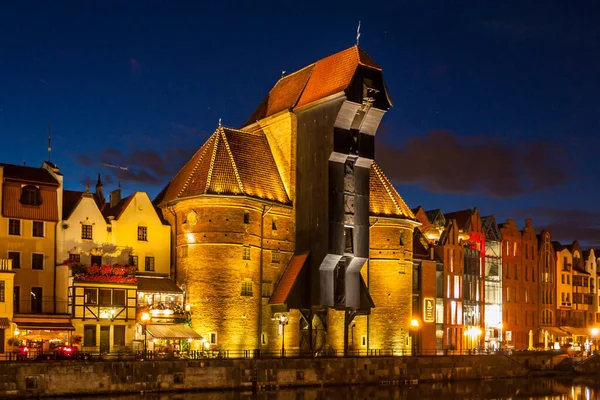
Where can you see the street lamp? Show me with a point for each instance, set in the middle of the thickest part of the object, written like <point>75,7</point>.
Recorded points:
<point>283,321</point>
<point>145,318</point>
<point>594,334</point>
<point>414,327</point>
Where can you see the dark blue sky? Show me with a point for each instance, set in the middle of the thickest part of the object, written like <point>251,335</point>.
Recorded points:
<point>496,103</point>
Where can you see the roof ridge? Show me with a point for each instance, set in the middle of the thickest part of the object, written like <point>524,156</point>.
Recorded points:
<point>235,169</point>
<point>387,183</point>
<point>187,181</point>
<point>292,74</point>
<point>217,135</point>
<point>383,180</point>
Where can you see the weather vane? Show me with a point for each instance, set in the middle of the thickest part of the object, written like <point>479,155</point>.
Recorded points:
<point>358,33</point>
<point>219,121</point>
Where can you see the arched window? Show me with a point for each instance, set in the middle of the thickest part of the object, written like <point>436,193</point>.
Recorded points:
<point>30,195</point>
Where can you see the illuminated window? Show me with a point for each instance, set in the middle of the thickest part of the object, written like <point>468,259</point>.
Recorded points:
<point>457,287</point>
<point>86,231</point>
<point>149,264</point>
<point>37,229</point>
<point>514,249</point>
<point>246,288</point>
<point>143,233</point>
<point>275,257</point>
<point>30,196</point>
<point>14,227</point>
<point>246,253</point>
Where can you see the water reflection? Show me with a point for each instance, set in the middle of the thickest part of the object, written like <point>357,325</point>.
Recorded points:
<point>578,388</point>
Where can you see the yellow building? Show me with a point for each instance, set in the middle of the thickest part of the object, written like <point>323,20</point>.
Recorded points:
<point>7,279</point>
<point>286,233</point>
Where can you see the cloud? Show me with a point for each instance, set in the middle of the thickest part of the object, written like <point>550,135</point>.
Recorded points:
<point>566,225</point>
<point>444,162</point>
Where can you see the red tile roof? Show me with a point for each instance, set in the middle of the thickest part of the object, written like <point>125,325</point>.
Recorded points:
<point>70,200</point>
<point>326,77</point>
<point>384,200</point>
<point>285,284</point>
<point>22,173</point>
<point>231,162</point>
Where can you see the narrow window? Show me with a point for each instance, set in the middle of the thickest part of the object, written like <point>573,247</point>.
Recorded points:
<point>246,253</point>
<point>263,338</point>
<point>246,217</point>
<point>349,240</point>
<point>15,256</point>
<point>266,289</point>
<point>213,337</point>
<point>37,229</point>
<point>275,257</point>
<point>274,224</point>
<point>143,233</point>
<point>14,227</point>
<point>149,264</point>
<point>37,261</point>
<point>86,231</point>
<point>184,251</point>
<point>2,291</point>
<point>401,267</point>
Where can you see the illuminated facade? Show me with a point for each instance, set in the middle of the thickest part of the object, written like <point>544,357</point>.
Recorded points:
<point>493,283</point>
<point>287,225</point>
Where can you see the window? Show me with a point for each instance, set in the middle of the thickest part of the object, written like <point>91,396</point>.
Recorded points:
<point>349,240</point>
<point>213,337</point>
<point>562,278</point>
<point>363,340</point>
<point>246,217</point>
<point>516,272</point>
<point>89,335</point>
<point>15,256</point>
<point>90,296</point>
<point>37,261</point>
<point>263,338</point>
<point>2,291</point>
<point>30,196</point>
<point>75,257</point>
<point>119,335</point>
<point>526,251</point>
<point>14,227</point>
<point>246,253</point>
<point>133,260</point>
<point>275,257</point>
<point>105,297</point>
<point>86,232</point>
<point>568,279</point>
<point>97,260</point>
<point>266,289</point>
<point>274,224</point>
<point>514,249</point>
<point>247,288</point>
<point>17,299</point>
<point>143,233</point>
<point>119,297</point>
<point>149,264</point>
<point>184,251</point>
<point>37,229</point>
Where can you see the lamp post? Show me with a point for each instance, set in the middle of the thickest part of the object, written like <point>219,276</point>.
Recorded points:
<point>594,334</point>
<point>283,321</point>
<point>414,327</point>
<point>145,318</point>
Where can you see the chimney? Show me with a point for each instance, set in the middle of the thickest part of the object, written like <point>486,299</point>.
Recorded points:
<point>528,223</point>
<point>115,197</point>
<point>99,193</point>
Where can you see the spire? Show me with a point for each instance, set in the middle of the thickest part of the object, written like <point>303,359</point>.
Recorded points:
<point>358,33</point>
<point>99,183</point>
<point>99,195</point>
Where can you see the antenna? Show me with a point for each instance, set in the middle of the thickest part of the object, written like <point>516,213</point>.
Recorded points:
<point>49,143</point>
<point>358,33</point>
<point>219,121</point>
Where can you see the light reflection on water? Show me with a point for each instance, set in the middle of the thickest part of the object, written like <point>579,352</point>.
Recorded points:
<point>578,388</point>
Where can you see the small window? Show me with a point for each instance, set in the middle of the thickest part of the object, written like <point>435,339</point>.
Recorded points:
<point>30,196</point>
<point>75,257</point>
<point>149,264</point>
<point>15,256</point>
<point>2,291</point>
<point>133,260</point>
<point>90,296</point>
<point>274,224</point>
<point>363,341</point>
<point>96,260</point>
<point>266,289</point>
<point>37,261</point>
<point>143,233</point>
<point>213,337</point>
<point>86,232</point>
<point>184,251</point>
<point>263,338</point>
<point>246,253</point>
<point>37,230</point>
<point>401,267</point>
<point>348,240</point>
<point>246,217</point>
<point>105,297</point>
<point>119,297</point>
<point>275,257</point>
<point>14,227</point>
<point>247,288</point>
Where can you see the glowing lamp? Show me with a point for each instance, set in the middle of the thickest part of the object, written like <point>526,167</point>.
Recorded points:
<point>414,323</point>
<point>145,317</point>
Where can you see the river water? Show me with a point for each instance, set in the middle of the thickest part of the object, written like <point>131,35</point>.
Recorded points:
<point>577,388</point>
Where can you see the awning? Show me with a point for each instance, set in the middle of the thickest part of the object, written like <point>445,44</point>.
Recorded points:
<point>157,285</point>
<point>46,326</point>
<point>285,284</point>
<point>172,332</point>
<point>4,324</point>
<point>573,331</point>
<point>555,331</point>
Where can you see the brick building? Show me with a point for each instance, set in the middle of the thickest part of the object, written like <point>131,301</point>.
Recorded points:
<point>285,232</point>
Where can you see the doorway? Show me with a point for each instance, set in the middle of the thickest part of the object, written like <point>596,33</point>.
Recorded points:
<point>104,339</point>
<point>36,300</point>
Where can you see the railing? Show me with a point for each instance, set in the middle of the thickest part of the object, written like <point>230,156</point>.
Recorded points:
<point>45,306</point>
<point>5,264</point>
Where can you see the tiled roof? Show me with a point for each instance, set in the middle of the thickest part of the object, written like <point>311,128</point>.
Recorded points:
<point>23,173</point>
<point>285,284</point>
<point>231,162</point>
<point>327,76</point>
<point>118,208</point>
<point>70,200</point>
<point>462,217</point>
<point>384,200</point>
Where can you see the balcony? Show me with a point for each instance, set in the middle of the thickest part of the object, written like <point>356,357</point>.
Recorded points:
<point>42,306</point>
<point>5,265</point>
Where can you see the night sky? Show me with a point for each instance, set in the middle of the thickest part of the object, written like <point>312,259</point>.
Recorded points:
<point>496,103</point>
